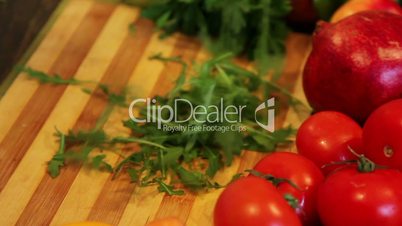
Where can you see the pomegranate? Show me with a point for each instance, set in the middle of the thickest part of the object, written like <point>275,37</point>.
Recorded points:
<point>354,6</point>
<point>356,64</point>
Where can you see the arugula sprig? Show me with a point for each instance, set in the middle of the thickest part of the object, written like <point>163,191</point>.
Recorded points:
<point>193,158</point>
<point>44,78</point>
<point>77,146</point>
<point>118,99</point>
<point>57,161</point>
<point>178,160</point>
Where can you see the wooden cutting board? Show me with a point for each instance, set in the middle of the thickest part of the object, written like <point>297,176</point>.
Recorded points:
<point>91,41</point>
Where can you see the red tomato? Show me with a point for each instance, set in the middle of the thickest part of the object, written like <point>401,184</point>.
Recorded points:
<point>382,135</point>
<point>325,137</point>
<point>303,173</point>
<point>351,198</point>
<point>252,201</point>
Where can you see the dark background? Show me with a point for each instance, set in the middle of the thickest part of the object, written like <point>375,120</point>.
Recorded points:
<point>20,22</point>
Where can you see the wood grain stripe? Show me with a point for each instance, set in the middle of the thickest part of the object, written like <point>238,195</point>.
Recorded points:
<point>51,192</point>
<point>43,58</point>
<point>34,115</point>
<point>116,194</point>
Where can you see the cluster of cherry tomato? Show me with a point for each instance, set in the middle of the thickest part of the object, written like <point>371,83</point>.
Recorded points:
<point>330,182</point>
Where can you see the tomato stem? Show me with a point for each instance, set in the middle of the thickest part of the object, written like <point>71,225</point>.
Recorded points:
<point>274,180</point>
<point>292,201</point>
<point>364,164</point>
<point>346,162</point>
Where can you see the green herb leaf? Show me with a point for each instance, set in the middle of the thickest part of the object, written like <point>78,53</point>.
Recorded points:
<point>213,163</point>
<point>231,143</point>
<point>98,162</point>
<point>134,174</point>
<point>114,98</point>
<point>47,79</point>
<point>168,189</point>
<point>192,179</point>
<point>118,99</point>
<point>57,161</point>
<point>92,138</point>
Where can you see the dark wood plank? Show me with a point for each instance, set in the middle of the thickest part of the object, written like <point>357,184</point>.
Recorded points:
<point>20,22</point>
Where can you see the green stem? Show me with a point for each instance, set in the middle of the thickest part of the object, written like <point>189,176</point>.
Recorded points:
<point>364,164</point>
<point>137,140</point>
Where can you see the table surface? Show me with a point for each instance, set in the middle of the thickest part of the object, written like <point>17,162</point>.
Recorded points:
<point>91,41</point>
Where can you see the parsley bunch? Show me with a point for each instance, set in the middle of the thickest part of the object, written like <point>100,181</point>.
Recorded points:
<point>255,28</point>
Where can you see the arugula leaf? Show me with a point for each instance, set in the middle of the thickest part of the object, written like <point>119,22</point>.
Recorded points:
<point>44,78</point>
<point>57,160</point>
<point>231,143</point>
<point>98,162</point>
<point>92,138</point>
<point>192,179</point>
<point>134,174</point>
<point>118,99</point>
<point>213,163</point>
<point>114,98</point>
<point>168,189</point>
